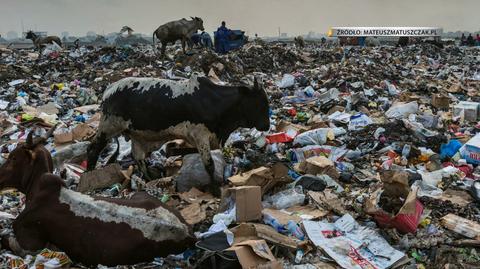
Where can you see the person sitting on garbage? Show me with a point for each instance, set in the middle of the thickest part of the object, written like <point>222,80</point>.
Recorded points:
<point>463,40</point>
<point>206,40</point>
<point>470,40</point>
<point>221,38</point>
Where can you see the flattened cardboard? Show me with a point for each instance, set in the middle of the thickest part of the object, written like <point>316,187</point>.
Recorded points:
<point>255,254</point>
<point>101,178</point>
<point>193,213</point>
<point>329,200</point>
<point>440,101</point>
<point>63,138</point>
<point>80,132</point>
<point>256,231</point>
<point>281,216</point>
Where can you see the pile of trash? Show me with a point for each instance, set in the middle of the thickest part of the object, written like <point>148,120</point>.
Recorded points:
<point>371,160</point>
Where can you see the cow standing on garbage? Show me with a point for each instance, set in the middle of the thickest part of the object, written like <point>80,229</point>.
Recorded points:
<point>40,42</point>
<point>172,31</point>
<point>154,111</point>
<point>90,230</point>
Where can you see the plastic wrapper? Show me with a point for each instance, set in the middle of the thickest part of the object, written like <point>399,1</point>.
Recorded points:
<point>288,198</point>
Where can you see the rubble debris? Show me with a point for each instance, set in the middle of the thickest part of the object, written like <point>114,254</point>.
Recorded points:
<point>462,226</point>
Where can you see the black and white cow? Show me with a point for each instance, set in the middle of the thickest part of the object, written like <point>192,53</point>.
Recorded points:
<point>153,111</point>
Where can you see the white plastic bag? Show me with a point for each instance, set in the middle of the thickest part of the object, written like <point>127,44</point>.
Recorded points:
<point>286,82</point>
<point>401,110</point>
<point>359,121</point>
<point>288,198</point>
<point>314,137</point>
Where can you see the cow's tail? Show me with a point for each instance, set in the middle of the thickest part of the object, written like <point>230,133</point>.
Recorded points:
<point>153,39</point>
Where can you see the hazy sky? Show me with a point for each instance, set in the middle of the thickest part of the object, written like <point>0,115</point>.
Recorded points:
<point>254,16</point>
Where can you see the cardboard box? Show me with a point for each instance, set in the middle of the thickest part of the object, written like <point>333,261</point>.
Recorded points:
<point>471,150</point>
<point>440,101</point>
<point>467,111</point>
<point>264,177</point>
<point>248,202</point>
<point>396,185</point>
<point>255,254</point>
<point>319,165</point>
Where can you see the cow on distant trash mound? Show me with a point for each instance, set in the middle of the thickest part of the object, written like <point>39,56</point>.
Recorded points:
<point>40,42</point>
<point>172,31</point>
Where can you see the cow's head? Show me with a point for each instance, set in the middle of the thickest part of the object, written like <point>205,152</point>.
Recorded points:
<point>30,35</point>
<point>198,23</point>
<point>255,106</point>
<point>24,162</point>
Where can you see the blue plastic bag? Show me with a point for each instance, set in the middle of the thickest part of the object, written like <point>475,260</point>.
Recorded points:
<point>450,149</point>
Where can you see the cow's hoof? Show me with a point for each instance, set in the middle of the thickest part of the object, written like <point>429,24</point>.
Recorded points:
<point>215,190</point>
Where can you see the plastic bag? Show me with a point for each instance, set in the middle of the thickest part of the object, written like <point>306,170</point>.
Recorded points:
<point>450,149</point>
<point>359,121</point>
<point>286,82</point>
<point>314,137</point>
<point>402,110</point>
<point>288,198</point>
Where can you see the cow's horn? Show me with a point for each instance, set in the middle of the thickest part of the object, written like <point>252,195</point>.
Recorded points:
<point>50,132</point>
<point>30,139</point>
<point>256,83</point>
<point>43,140</point>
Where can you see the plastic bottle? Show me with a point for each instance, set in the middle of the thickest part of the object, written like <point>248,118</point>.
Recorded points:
<point>267,219</point>
<point>295,230</point>
<point>406,150</point>
<point>299,256</point>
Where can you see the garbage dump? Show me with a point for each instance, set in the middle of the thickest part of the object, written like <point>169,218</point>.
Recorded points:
<point>369,157</point>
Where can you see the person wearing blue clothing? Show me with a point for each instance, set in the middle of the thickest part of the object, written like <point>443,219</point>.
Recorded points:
<point>221,38</point>
<point>206,40</point>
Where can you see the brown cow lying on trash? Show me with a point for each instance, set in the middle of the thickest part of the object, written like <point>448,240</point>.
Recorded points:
<point>90,230</point>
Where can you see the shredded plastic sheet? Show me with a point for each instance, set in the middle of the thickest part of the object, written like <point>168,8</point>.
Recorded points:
<point>352,246</point>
